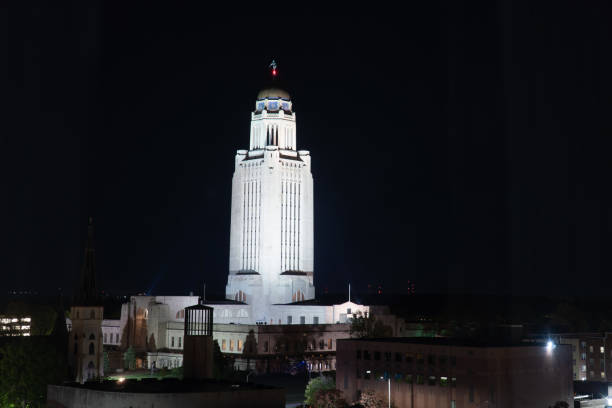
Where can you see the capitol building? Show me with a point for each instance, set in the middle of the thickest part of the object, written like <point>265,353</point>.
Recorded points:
<point>270,306</point>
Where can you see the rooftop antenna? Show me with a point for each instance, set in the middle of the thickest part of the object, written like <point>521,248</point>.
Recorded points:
<point>274,70</point>
<point>349,291</point>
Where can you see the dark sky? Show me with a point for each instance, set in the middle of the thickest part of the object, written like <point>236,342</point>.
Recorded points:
<point>463,147</point>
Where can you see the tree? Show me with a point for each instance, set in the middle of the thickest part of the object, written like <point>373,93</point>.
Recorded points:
<point>329,399</point>
<point>369,399</point>
<point>129,358</point>
<point>315,385</point>
<point>367,326</point>
<point>106,363</point>
<point>27,366</point>
<point>222,365</point>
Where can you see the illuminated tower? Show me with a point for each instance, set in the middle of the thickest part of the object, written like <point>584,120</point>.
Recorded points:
<point>271,238</point>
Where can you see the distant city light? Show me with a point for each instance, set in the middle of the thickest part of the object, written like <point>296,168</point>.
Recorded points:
<point>550,346</point>
<point>274,72</point>
<point>120,380</point>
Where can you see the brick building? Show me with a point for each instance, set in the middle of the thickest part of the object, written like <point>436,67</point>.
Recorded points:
<point>441,372</point>
<point>591,355</point>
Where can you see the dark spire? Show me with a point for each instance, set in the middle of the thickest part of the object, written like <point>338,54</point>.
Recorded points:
<point>87,294</point>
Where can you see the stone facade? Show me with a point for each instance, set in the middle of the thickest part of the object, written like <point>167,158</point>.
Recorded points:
<point>271,233</point>
<point>85,350</point>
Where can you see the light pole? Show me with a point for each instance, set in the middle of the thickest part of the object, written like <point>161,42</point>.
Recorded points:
<point>389,382</point>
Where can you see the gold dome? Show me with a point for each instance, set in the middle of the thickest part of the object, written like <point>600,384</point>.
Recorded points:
<point>273,93</point>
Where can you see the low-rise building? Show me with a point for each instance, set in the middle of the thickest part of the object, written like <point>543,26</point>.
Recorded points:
<point>591,354</point>
<point>15,325</point>
<point>442,372</point>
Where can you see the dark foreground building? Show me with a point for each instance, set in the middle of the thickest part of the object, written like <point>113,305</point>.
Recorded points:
<point>168,393</point>
<point>450,373</point>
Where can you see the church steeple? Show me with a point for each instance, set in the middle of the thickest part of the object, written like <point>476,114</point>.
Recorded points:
<point>87,292</point>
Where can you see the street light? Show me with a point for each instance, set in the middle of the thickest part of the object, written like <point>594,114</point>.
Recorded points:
<point>389,380</point>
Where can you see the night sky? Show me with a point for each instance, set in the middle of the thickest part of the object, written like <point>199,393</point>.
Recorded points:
<point>462,147</point>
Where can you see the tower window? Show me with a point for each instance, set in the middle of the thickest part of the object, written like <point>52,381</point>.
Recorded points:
<point>92,337</point>
<point>240,296</point>
<point>91,349</point>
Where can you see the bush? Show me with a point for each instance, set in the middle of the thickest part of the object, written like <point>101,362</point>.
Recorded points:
<point>369,399</point>
<point>330,399</point>
<point>315,385</point>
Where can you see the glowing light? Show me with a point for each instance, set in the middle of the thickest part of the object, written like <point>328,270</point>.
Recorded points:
<point>609,400</point>
<point>120,380</point>
<point>273,72</point>
<point>550,346</point>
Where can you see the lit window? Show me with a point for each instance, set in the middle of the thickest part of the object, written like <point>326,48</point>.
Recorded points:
<point>329,344</point>
<point>231,345</point>
<point>602,350</point>
<point>239,345</point>
<point>603,374</point>
<point>223,344</point>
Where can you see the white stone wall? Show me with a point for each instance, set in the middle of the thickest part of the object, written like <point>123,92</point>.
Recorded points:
<point>164,360</point>
<point>111,332</point>
<point>271,229</point>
